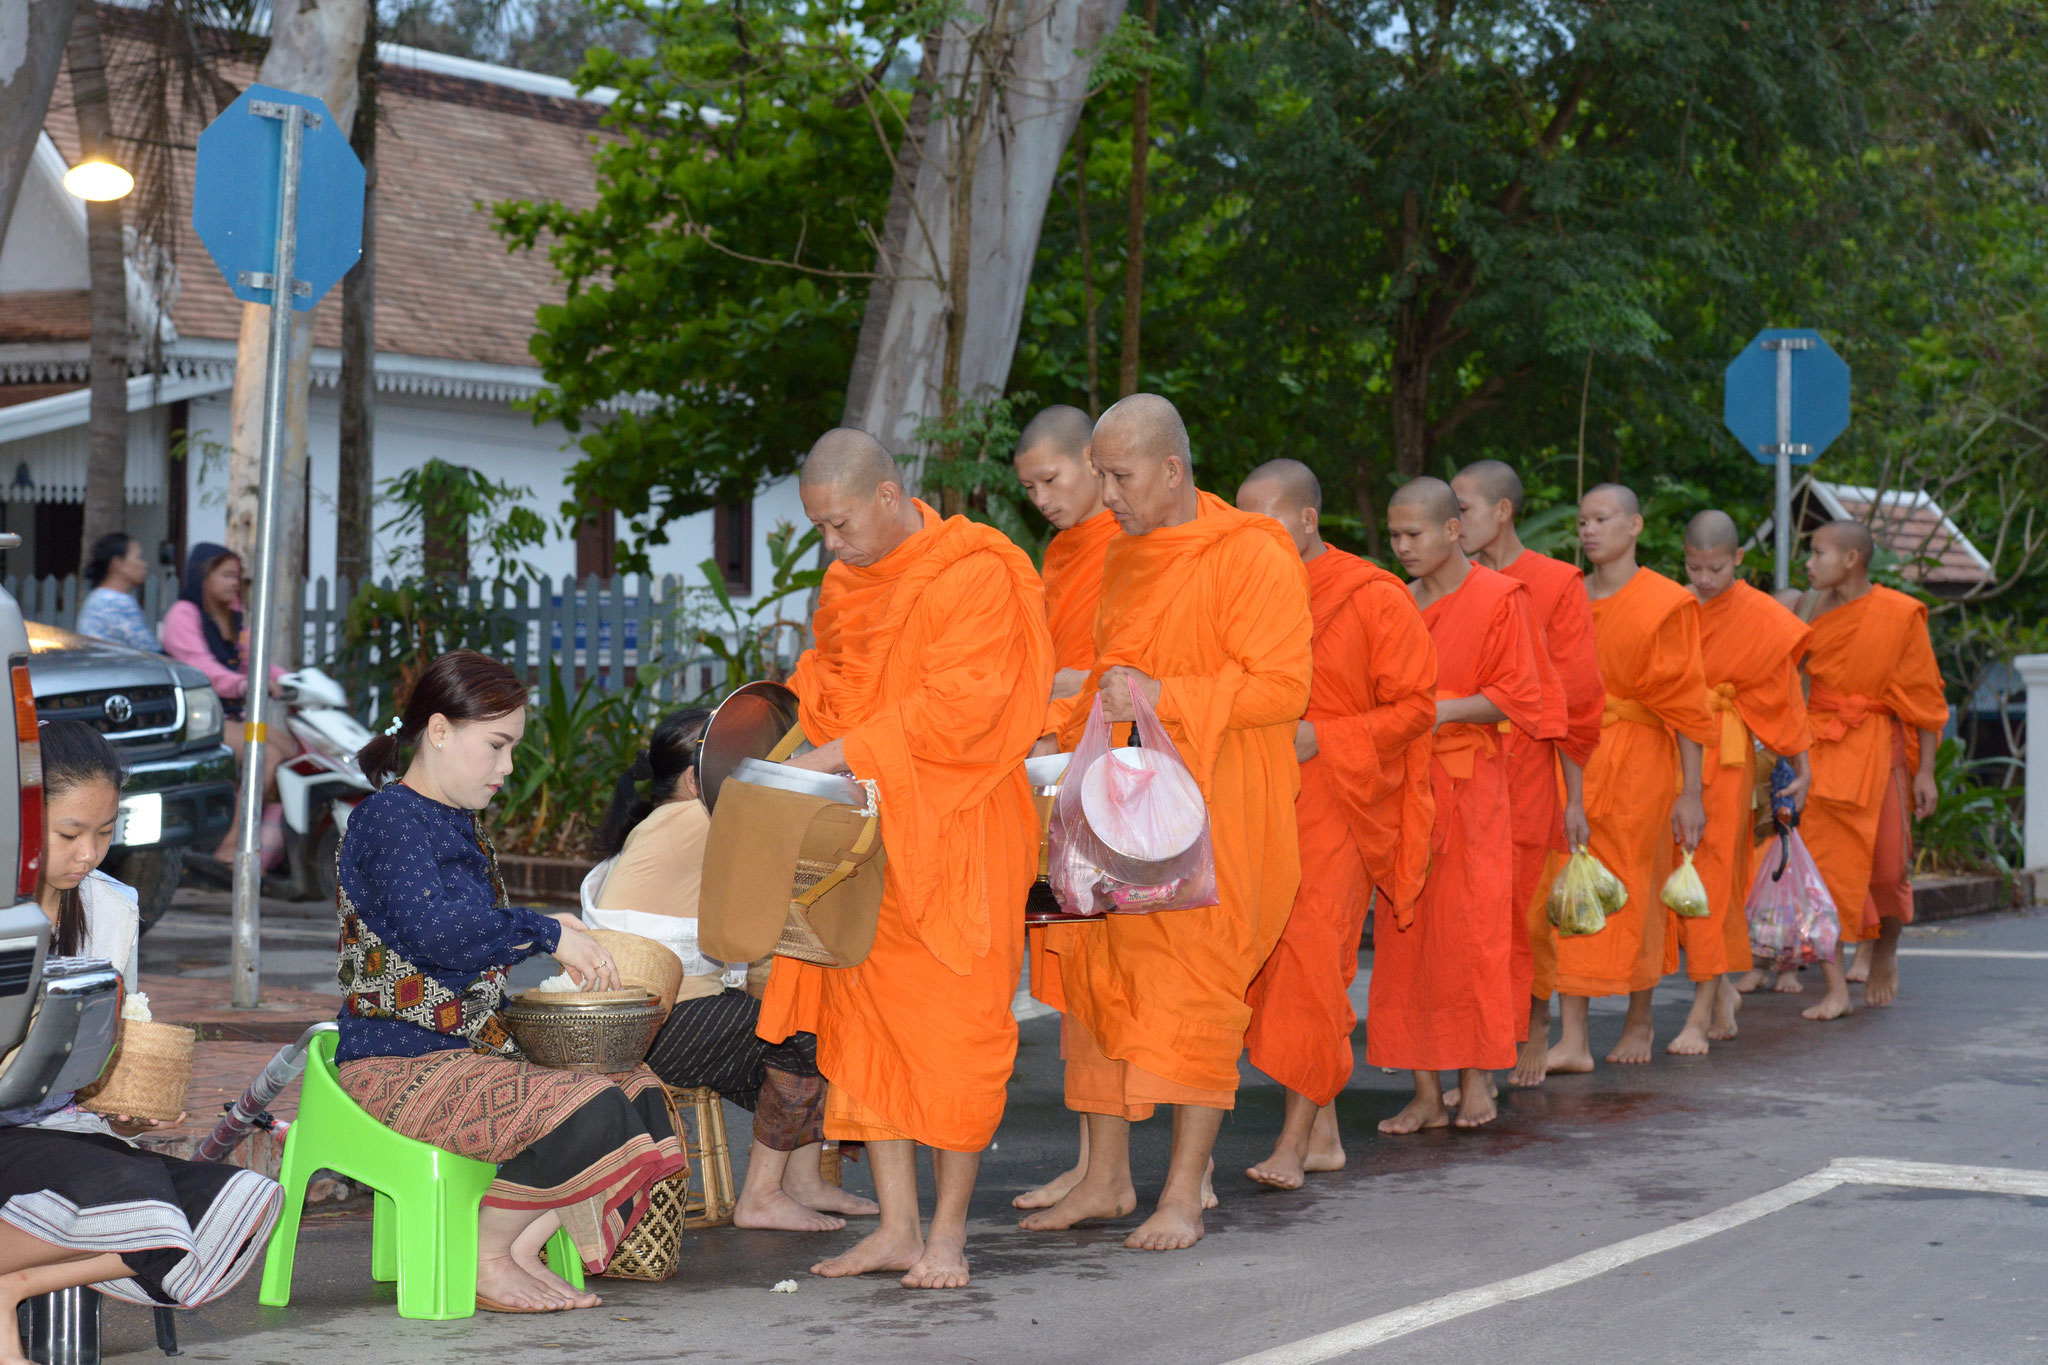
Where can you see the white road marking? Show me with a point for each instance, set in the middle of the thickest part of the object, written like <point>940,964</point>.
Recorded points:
<point>1372,1331</point>
<point>2023,954</point>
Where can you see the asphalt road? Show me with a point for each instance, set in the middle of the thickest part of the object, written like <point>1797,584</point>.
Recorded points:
<point>1400,1241</point>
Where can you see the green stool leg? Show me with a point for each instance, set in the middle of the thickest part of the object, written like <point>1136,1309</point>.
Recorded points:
<point>564,1259</point>
<point>278,1259</point>
<point>383,1239</point>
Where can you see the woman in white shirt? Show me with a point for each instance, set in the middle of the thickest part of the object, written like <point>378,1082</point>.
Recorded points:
<point>79,1204</point>
<point>653,847</point>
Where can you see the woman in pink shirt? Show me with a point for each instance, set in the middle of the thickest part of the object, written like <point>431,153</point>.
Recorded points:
<point>204,629</point>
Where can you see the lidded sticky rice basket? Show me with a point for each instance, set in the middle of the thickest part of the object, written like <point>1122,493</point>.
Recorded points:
<point>644,964</point>
<point>151,1073</point>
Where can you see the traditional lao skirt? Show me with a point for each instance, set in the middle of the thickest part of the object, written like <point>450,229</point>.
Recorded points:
<point>189,1230</point>
<point>588,1147</point>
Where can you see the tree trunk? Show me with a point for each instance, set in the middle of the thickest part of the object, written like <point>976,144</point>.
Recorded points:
<point>1044,62</point>
<point>355,475</point>
<point>1408,392</point>
<point>1134,230</point>
<point>30,56</point>
<point>313,50</point>
<point>1094,345</point>
<point>106,459</point>
<point>867,353</point>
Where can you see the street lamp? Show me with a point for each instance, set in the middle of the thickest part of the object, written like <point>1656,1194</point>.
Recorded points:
<point>98,181</point>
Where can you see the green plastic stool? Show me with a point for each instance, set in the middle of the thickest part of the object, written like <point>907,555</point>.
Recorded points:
<point>423,1232</point>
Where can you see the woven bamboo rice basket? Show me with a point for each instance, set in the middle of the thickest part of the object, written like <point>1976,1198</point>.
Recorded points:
<point>652,1250</point>
<point>798,939</point>
<point>150,1075</point>
<point>644,965</point>
<point>702,1197</point>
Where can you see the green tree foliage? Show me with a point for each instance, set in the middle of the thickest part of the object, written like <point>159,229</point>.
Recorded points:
<point>715,288</point>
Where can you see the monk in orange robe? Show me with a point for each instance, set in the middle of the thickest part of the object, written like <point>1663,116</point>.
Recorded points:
<point>1364,815</point>
<point>1655,723</point>
<point>1545,771</point>
<point>1750,646</point>
<point>1444,995</point>
<point>1052,464</point>
<point>1205,610</point>
<point>1877,706</point>
<point>929,678</point>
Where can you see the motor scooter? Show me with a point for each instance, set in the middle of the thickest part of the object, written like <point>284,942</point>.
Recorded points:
<point>322,784</point>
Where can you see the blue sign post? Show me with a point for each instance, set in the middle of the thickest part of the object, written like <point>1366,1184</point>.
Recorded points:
<point>1786,398</point>
<point>277,198</point>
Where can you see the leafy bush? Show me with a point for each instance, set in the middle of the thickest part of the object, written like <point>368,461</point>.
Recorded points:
<point>566,766</point>
<point>1976,826</point>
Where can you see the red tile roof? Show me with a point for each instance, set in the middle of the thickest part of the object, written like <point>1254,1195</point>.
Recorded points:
<point>46,315</point>
<point>446,287</point>
<point>1931,548</point>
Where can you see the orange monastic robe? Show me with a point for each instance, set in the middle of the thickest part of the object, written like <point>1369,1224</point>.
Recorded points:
<point>1073,588</point>
<point>1751,647</point>
<point>1564,619</point>
<point>933,666</point>
<point>1649,640</point>
<point>1217,611</point>
<point>1875,685</point>
<point>1443,993</point>
<point>1364,814</point>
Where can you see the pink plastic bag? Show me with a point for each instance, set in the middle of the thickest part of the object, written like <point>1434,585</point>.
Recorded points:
<point>1130,831</point>
<point>1792,919</point>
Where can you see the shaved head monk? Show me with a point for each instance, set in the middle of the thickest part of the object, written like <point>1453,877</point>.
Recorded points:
<point>1655,723</point>
<point>1549,818</point>
<point>1052,464</point>
<point>1205,612</point>
<point>1443,995</point>
<point>1750,646</point>
<point>1877,707</point>
<point>929,679</point>
<point>1364,817</point>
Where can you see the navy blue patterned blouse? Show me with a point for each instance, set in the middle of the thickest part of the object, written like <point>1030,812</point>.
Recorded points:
<point>414,871</point>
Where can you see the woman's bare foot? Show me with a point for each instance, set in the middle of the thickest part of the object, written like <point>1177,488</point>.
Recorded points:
<point>1424,1111</point>
<point>501,1280</point>
<point>782,1212</point>
<point>1635,1046</point>
<point>1532,1063</point>
<point>943,1265</point>
<point>1088,1201</point>
<point>1749,981</point>
<point>1568,1061</point>
<point>537,1270</point>
<point>1476,1100</point>
<point>1051,1192</point>
<point>1723,1027</point>
<point>1173,1226</point>
<point>882,1249</point>
<point>814,1192</point>
<point>1788,982</point>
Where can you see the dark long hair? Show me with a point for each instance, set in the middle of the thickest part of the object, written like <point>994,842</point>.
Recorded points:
<point>461,685</point>
<point>74,754</point>
<point>108,548</point>
<point>671,753</point>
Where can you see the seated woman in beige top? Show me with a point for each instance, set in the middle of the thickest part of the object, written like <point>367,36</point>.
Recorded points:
<point>653,847</point>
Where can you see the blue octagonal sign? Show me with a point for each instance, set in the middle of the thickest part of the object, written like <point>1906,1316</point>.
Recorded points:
<point>1820,395</point>
<point>235,189</point>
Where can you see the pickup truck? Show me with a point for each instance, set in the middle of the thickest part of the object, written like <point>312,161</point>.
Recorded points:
<point>58,1016</point>
<point>165,722</point>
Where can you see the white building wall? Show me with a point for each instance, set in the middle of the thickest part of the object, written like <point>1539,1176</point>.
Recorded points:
<point>500,441</point>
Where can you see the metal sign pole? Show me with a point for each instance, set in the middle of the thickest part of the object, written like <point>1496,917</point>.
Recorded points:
<point>247,977</point>
<point>1782,450</point>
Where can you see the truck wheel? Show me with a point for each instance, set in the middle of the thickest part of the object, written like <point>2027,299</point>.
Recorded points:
<point>154,873</point>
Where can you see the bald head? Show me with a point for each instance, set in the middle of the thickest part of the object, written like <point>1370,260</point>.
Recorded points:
<point>850,460</point>
<point>1712,529</point>
<point>1493,481</point>
<point>1289,493</point>
<point>1059,430</point>
<point>1851,538</point>
<point>1622,494</point>
<point>1140,448</point>
<point>1432,497</point>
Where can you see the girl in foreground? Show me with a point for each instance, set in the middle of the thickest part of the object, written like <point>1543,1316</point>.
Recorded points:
<point>426,938</point>
<point>78,1204</point>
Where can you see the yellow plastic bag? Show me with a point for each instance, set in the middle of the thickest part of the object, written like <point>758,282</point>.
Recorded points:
<point>1685,893</point>
<point>1584,895</point>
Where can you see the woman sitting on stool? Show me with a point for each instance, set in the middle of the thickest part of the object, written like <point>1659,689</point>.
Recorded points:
<point>648,885</point>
